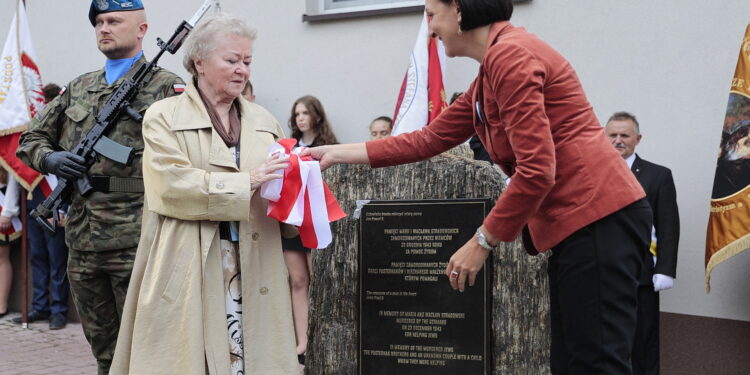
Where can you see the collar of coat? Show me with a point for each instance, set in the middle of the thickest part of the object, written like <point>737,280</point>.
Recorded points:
<point>637,165</point>
<point>186,120</point>
<point>497,30</point>
<point>191,114</point>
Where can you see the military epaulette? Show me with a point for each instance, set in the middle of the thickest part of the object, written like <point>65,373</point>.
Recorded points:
<point>178,88</point>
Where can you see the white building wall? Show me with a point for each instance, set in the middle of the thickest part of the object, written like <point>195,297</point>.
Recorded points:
<point>670,62</point>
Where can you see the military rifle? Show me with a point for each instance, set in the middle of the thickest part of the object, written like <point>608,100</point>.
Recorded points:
<point>96,142</point>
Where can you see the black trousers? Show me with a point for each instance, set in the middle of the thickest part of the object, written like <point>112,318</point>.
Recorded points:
<point>645,357</point>
<point>593,278</point>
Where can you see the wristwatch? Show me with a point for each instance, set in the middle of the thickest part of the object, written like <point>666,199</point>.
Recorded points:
<point>482,240</point>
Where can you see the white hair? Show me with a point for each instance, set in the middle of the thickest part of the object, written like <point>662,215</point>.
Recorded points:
<point>201,40</point>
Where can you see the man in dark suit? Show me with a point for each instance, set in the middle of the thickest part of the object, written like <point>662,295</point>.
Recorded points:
<point>660,265</point>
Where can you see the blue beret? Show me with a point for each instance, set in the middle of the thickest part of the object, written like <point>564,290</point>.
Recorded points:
<point>105,6</point>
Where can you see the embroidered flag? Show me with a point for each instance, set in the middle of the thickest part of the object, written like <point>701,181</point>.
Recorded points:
<point>21,97</point>
<point>301,197</point>
<point>422,95</point>
<point>728,231</point>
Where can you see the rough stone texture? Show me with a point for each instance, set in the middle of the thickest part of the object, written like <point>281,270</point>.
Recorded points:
<point>520,293</point>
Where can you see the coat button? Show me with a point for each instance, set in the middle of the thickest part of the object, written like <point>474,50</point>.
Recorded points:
<point>264,291</point>
<point>256,236</point>
<point>219,185</point>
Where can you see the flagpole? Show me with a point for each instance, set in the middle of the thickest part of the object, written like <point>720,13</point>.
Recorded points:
<point>24,262</point>
<point>24,255</point>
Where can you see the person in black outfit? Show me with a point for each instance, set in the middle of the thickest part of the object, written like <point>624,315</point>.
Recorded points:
<point>660,265</point>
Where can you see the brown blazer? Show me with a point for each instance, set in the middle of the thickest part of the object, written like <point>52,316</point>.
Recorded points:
<point>529,110</point>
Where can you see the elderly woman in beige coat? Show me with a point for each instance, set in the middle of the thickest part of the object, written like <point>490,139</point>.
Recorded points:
<point>209,292</point>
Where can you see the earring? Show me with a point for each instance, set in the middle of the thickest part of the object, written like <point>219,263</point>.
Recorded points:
<point>460,32</point>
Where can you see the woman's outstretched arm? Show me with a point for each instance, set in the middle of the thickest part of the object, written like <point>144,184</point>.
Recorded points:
<point>350,153</point>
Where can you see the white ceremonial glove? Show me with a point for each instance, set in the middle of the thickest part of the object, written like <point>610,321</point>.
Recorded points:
<point>662,282</point>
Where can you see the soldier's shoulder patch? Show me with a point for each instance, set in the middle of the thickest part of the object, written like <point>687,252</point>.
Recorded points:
<point>62,90</point>
<point>178,88</point>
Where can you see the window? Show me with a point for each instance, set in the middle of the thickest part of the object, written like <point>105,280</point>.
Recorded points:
<point>331,9</point>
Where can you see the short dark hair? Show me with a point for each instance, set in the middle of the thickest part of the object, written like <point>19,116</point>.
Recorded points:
<point>383,118</point>
<point>623,116</point>
<point>476,13</point>
<point>50,91</point>
<point>455,96</point>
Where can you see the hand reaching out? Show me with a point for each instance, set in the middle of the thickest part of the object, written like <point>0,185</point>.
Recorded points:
<point>352,153</point>
<point>324,154</point>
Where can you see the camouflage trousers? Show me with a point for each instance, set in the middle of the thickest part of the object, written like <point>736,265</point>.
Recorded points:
<point>99,282</point>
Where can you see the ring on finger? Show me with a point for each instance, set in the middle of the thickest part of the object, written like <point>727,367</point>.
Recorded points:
<point>454,274</point>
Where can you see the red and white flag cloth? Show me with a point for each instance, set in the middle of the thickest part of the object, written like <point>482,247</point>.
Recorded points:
<point>422,95</point>
<point>301,198</point>
<point>20,96</point>
<point>47,184</point>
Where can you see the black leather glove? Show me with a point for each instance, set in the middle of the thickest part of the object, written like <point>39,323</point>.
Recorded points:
<point>64,164</point>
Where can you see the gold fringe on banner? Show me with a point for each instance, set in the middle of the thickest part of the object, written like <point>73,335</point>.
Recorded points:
<point>728,231</point>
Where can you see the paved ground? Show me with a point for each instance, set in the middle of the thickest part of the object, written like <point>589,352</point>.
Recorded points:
<point>37,350</point>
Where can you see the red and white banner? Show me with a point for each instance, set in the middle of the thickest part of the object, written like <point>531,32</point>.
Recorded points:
<point>301,198</point>
<point>20,96</point>
<point>422,95</point>
<point>47,184</point>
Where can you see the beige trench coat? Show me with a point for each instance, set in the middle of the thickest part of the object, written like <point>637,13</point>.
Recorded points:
<point>174,317</point>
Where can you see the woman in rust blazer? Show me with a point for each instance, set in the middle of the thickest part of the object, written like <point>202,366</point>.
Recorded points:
<point>569,185</point>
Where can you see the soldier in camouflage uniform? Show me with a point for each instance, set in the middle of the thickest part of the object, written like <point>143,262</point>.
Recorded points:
<point>103,228</point>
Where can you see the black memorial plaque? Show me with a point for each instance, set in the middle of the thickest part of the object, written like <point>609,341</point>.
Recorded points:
<point>411,321</point>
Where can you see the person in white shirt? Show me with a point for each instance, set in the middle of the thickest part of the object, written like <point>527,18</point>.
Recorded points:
<point>8,235</point>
